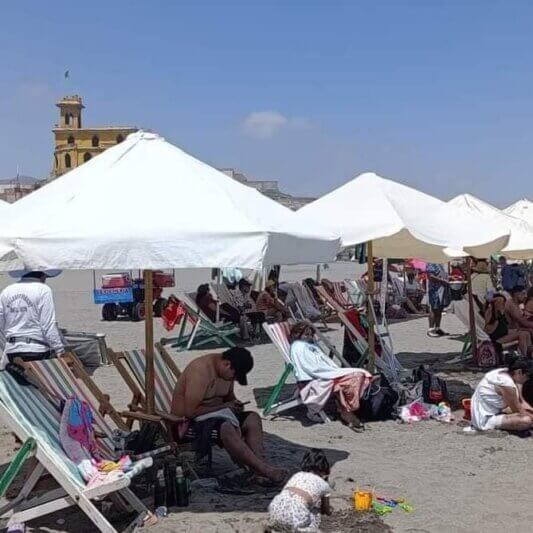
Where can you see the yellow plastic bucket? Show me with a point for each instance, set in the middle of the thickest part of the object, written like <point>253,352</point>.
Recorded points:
<point>362,500</point>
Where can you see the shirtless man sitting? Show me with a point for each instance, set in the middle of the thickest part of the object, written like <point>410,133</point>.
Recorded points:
<point>206,386</point>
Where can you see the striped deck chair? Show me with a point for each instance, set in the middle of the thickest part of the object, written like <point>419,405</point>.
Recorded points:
<point>57,380</point>
<point>341,295</point>
<point>302,306</point>
<point>223,294</point>
<point>355,294</point>
<point>131,365</point>
<point>329,300</point>
<point>357,339</point>
<point>381,324</point>
<point>461,310</point>
<point>30,415</point>
<point>387,362</point>
<point>204,331</point>
<point>279,335</point>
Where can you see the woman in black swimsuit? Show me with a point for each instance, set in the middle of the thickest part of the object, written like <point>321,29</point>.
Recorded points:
<point>497,327</point>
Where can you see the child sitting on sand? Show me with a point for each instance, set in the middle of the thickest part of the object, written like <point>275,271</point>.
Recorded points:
<point>305,496</point>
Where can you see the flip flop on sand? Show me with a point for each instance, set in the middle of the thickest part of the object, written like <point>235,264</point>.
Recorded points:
<point>355,427</point>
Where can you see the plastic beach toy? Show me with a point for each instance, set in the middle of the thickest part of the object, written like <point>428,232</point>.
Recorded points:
<point>362,500</point>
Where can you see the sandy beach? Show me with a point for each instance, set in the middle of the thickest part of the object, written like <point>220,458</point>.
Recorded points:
<point>456,482</point>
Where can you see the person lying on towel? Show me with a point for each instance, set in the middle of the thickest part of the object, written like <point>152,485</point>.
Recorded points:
<point>319,377</point>
<point>205,394</point>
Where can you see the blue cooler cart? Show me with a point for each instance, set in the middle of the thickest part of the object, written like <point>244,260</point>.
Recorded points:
<point>122,295</point>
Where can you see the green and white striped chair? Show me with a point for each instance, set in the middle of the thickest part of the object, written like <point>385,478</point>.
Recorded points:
<point>131,365</point>
<point>30,415</point>
<point>204,331</point>
<point>64,378</point>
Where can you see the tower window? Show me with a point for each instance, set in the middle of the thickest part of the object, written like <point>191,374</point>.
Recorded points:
<point>68,118</point>
<point>70,140</point>
<point>56,162</point>
<point>96,141</point>
<point>67,161</point>
<point>86,157</point>
<point>119,138</point>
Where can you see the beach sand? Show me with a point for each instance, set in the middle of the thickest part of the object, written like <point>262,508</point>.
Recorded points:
<point>456,482</point>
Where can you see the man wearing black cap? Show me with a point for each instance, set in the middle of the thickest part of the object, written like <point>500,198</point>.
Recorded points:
<point>28,319</point>
<point>205,394</point>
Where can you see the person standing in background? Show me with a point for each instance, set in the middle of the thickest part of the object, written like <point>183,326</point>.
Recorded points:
<point>439,297</point>
<point>28,319</point>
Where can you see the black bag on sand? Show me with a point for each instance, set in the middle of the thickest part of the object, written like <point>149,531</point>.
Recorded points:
<point>434,389</point>
<point>379,401</point>
<point>148,438</point>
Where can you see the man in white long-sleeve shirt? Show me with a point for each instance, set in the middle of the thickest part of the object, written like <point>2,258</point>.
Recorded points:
<point>28,319</point>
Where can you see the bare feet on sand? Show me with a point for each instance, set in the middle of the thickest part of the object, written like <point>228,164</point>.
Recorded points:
<point>276,474</point>
<point>351,420</point>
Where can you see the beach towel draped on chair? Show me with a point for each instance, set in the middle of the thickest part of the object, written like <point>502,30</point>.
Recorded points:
<point>29,414</point>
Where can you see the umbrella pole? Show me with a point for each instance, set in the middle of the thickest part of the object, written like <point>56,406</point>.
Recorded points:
<point>370,310</point>
<point>471,310</point>
<point>318,273</point>
<point>219,281</point>
<point>149,341</point>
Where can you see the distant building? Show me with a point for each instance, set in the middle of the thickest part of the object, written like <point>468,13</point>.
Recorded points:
<point>269,188</point>
<point>74,144</point>
<point>13,189</point>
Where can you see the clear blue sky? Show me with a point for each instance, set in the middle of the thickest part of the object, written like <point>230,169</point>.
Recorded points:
<point>437,94</point>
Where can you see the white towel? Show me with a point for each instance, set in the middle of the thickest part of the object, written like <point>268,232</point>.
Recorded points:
<point>226,413</point>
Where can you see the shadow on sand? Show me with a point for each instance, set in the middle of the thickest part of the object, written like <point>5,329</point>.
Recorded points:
<point>297,414</point>
<point>279,451</point>
<point>459,374</point>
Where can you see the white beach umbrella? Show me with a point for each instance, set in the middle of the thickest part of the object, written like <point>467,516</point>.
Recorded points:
<point>147,204</point>
<point>403,222</point>
<point>520,244</point>
<point>522,209</point>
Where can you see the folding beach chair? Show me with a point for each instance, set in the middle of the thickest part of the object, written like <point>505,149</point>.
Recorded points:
<point>381,325</point>
<point>398,289</point>
<point>299,302</point>
<point>204,331</point>
<point>30,415</point>
<point>223,294</point>
<point>386,361</point>
<point>341,295</point>
<point>65,377</point>
<point>131,365</point>
<point>355,294</point>
<point>279,335</point>
<point>328,300</point>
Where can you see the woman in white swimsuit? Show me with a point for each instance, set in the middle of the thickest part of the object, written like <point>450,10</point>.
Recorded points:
<point>497,402</point>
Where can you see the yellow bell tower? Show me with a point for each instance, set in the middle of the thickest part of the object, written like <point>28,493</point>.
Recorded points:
<point>70,112</point>
<point>75,144</point>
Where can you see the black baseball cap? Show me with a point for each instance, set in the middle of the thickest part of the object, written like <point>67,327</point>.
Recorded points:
<point>241,361</point>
